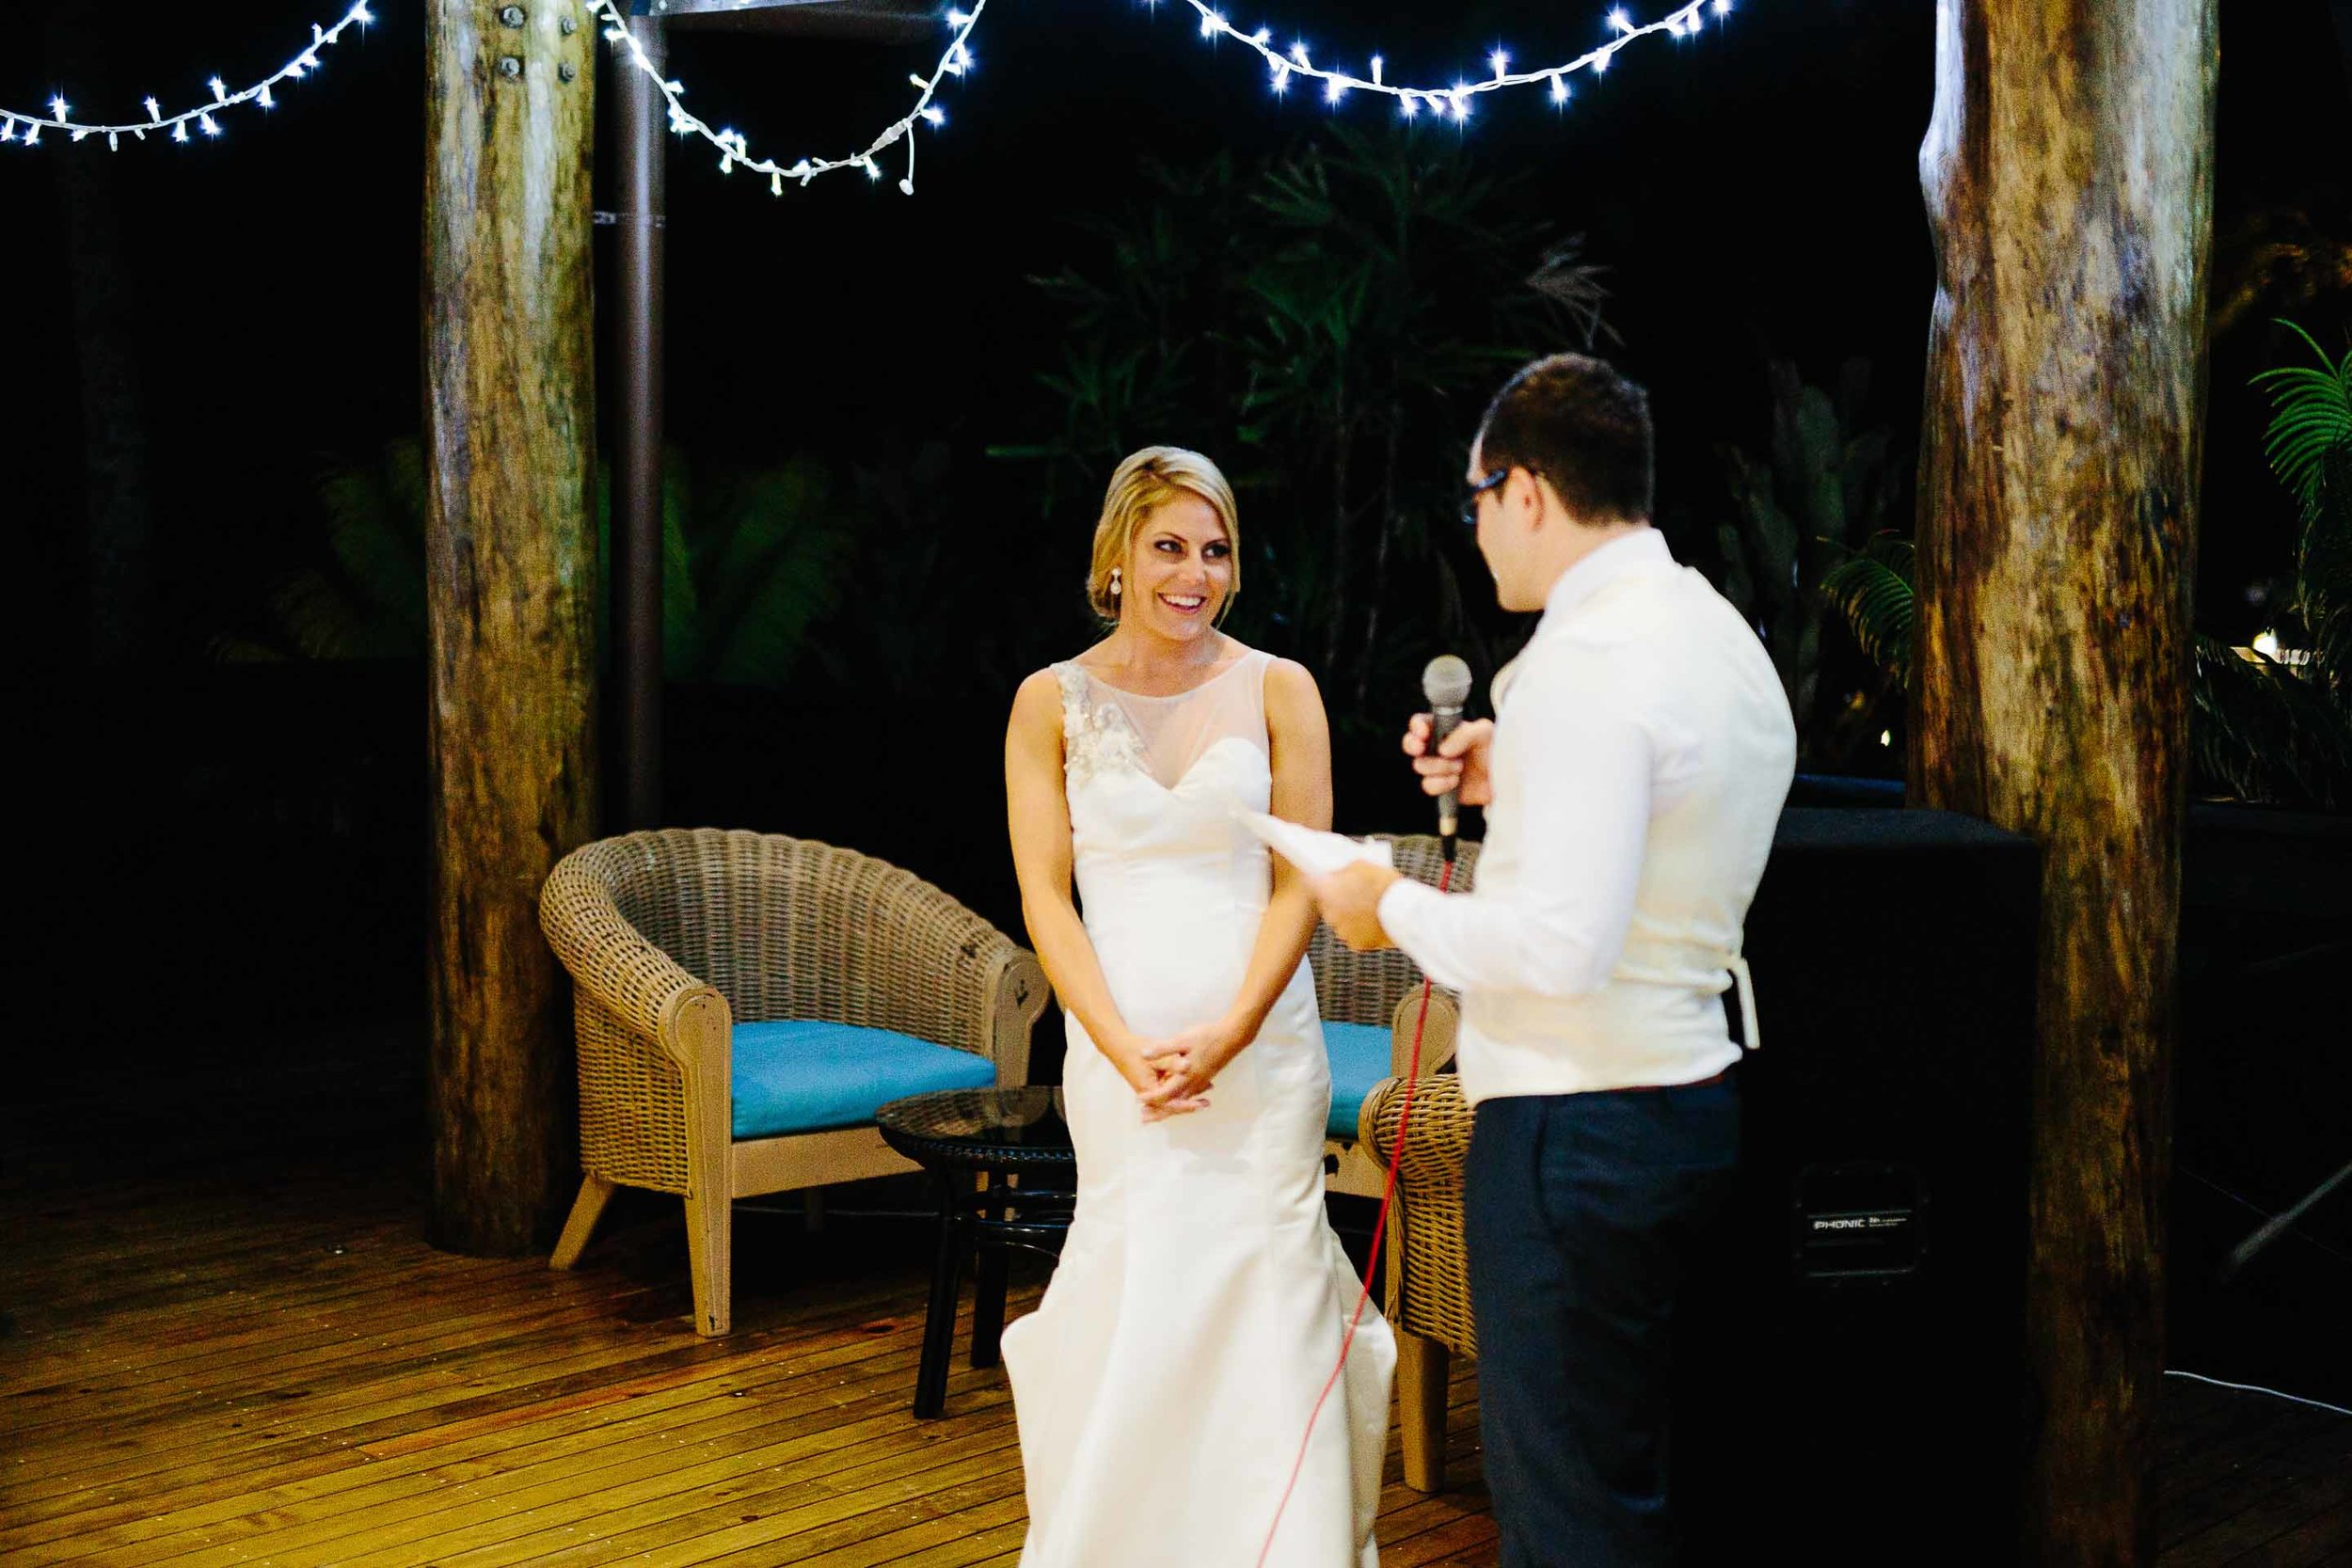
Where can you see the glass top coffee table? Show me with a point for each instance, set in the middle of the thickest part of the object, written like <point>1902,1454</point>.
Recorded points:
<point>1006,1174</point>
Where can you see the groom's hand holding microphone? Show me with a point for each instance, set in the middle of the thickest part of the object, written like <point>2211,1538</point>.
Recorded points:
<point>1459,763</point>
<point>1454,771</point>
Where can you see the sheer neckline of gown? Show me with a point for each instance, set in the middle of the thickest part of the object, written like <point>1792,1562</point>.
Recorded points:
<point>1231,665</point>
<point>1165,736</point>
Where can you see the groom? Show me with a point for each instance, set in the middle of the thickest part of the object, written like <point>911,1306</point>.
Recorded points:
<point>1633,775</point>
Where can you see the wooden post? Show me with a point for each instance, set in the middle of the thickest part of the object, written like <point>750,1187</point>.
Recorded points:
<point>2068,169</point>
<point>511,581</point>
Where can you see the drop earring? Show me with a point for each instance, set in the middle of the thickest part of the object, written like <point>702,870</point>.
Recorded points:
<point>1115,588</point>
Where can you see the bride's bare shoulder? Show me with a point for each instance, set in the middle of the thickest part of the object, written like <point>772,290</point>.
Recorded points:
<point>1294,703</point>
<point>1289,682</point>
<point>1036,702</point>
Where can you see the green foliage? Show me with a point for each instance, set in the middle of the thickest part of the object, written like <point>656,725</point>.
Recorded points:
<point>941,610</point>
<point>2311,421</point>
<point>2263,729</point>
<point>1872,588</point>
<point>2310,446</point>
<point>366,599</point>
<point>1326,325</point>
<point>752,563</point>
<point>1801,512</point>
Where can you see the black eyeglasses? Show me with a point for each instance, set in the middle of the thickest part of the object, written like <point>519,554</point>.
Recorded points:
<point>1470,501</point>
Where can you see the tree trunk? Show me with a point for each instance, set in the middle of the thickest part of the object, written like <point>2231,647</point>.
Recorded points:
<point>511,570</point>
<point>2068,169</point>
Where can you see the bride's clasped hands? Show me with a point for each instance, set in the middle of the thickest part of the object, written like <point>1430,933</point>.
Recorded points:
<point>1184,1066</point>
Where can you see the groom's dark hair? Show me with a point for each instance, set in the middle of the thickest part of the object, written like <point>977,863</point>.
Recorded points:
<point>1576,423</point>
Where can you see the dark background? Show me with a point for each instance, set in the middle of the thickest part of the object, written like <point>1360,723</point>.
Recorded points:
<point>221,865</point>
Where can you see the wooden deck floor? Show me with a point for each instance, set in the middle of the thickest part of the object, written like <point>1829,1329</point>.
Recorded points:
<point>269,1366</point>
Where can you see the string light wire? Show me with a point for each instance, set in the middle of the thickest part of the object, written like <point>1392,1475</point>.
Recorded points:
<point>26,130</point>
<point>1686,21</point>
<point>735,149</point>
<point>1683,21</point>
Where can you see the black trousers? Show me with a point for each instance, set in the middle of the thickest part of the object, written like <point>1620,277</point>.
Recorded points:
<point>1584,1213</point>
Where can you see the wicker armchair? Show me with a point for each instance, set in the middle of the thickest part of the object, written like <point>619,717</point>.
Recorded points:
<point>677,939</point>
<point>1371,1002</point>
<point>1427,1286</point>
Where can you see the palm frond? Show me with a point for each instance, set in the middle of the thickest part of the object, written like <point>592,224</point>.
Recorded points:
<point>1571,286</point>
<point>1872,591</point>
<point>2311,416</point>
<point>2261,731</point>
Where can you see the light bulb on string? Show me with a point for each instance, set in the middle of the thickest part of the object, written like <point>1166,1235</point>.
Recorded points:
<point>261,94</point>
<point>1456,101</point>
<point>1282,64</point>
<point>954,59</point>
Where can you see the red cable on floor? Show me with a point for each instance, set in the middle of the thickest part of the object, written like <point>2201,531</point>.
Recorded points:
<point>1371,1264</point>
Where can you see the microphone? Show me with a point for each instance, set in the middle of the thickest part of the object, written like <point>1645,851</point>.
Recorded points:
<point>1447,684</point>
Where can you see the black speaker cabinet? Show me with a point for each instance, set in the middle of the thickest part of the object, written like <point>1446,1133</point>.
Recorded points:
<point>1853,1374</point>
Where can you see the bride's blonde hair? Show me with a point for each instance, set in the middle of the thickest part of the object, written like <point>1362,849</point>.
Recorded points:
<point>1147,480</point>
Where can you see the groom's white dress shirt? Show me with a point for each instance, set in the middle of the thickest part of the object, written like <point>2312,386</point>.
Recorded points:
<point>1642,750</point>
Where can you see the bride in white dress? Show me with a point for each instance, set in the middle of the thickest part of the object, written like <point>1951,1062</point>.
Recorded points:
<point>1164,1385</point>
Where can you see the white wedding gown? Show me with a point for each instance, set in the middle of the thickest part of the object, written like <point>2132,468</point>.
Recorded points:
<point>1164,1383</point>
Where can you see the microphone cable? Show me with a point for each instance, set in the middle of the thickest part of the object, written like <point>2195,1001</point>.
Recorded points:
<point>1372,1266</point>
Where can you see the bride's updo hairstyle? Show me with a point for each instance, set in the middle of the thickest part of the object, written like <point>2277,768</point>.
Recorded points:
<point>1146,481</point>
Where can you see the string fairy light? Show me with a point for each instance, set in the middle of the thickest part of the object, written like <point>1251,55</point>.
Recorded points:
<point>26,130</point>
<point>1454,101</point>
<point>735,148</point>
<point>1685,20</point>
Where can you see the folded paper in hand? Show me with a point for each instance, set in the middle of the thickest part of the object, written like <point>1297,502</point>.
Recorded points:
<point>1318,854</point>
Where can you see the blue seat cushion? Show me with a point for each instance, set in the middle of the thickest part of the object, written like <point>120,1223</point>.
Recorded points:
<point>1359,1059</point>
<point>799,1076</point>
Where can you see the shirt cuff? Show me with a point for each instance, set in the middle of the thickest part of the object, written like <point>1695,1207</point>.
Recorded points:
<point>1403,912</point>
